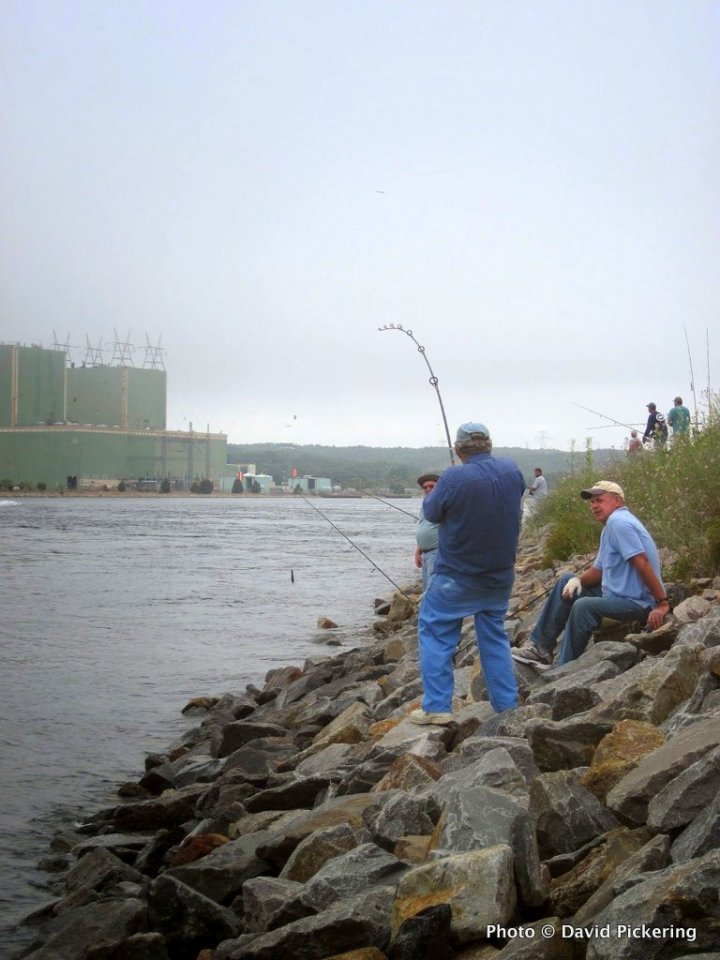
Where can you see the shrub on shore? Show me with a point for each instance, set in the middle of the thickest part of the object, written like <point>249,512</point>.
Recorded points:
<point>675,492</point>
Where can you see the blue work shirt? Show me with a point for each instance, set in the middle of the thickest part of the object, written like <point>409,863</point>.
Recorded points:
<point>623,538</point>
<point>478,507</point>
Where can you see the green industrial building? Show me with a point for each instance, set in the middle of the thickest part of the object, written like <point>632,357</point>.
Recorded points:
<point>96,424</point>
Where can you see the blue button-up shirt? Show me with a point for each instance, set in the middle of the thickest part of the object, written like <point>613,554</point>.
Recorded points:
<point>478,507</point>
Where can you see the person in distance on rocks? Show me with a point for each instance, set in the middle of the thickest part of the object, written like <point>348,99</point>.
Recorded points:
<point>624,583</point>
<point>679,419</point>
<point>426,533</point>
<point>477,506</point>
<point>656,428</point>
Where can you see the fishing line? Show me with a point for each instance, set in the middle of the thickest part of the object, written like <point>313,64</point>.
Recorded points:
<point>359,550</point>
<point>374,496</point>
<point>604,416</point>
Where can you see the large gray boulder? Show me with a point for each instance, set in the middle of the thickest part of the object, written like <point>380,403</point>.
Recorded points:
<point>493,768</point>
<point>574,692</point>
<point>566,814</point>
<point>264,898</point>
<point>188,920</point>
<point>669,683</point>
<point>630,797</point>
<point>316,850</point>
<point>221,874</point>
<point>654,855</point>
<point>688,795</point>
<point>475,747</point>
<point>352,873</point>
<point>478,885</point>
<point>73,935</point>
<point>699,837</point>
<point>482,818</point>
<point>661,914</point>
<point>364,919</point>
<point>403,815</point>
<point>565,744</point>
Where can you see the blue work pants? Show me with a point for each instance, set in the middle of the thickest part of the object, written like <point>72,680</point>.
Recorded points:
<point>444,606</point>
<point>579,618</point>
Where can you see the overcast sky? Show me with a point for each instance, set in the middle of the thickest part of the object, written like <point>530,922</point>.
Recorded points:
<point>531,186</point>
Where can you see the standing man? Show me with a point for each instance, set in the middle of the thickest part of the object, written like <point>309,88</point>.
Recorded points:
<point>656,428</point>
<point>427,534</point>
<point>538,488</point>
<point>679,419</point>
<point>477,506</point>
<point>624,583</point>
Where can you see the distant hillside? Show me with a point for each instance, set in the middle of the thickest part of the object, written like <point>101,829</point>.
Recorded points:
<point>388,467</point>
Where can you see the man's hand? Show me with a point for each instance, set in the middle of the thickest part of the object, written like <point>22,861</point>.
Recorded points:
<point>418,557</point>
<point>572,588</point>
<point>657,615</point>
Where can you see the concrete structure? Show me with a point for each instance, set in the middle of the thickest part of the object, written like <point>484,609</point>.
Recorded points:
<point>117,397</point>
<point>310,484</point>
<point>263,480</point>
<point>98,424</point>
<point>32,386</point>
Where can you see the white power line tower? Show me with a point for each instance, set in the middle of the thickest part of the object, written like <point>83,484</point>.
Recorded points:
<point>122,351</point>
<point>63,346</point>
<point>93,355</point>
<point>154,354</point>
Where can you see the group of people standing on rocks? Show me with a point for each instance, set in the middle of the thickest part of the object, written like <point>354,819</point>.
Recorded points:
<point>656,430</point>
<point>467,538</point>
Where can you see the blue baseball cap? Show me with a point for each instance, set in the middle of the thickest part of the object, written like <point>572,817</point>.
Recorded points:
<point>472,431</point>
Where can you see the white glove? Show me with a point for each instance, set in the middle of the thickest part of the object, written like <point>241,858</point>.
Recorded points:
<point>572,588</point>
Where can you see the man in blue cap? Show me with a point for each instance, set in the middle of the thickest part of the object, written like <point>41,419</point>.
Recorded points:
<point>477,507</point>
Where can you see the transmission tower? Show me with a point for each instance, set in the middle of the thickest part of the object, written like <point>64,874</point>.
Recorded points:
<point>122,351</point>
<point>63,346</point>
<point>93,355</point>
<point>154,354</point>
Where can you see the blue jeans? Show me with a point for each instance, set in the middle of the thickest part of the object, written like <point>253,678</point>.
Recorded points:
<point>444,605</point>
<point>579,618</point>
<point>428,565</point>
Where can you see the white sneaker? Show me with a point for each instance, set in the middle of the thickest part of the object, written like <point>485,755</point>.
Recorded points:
<point>422,717</point>
<point>533,657</point>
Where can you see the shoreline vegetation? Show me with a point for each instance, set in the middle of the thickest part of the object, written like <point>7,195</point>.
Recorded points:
<point>310,819</point>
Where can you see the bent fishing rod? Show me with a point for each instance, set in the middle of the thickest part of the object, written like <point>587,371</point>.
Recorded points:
<point>433,381</point>
<point>359,550</point>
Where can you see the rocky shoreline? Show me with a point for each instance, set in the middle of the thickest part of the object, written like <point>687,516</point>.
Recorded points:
<point>311,820</point>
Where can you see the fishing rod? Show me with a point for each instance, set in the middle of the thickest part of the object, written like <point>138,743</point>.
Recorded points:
<point>597,413</point>
<point>359,549</point>
<point>692,375</point>
<point>433,381</point>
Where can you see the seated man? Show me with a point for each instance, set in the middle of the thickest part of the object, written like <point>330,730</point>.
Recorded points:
<point>624,583</point>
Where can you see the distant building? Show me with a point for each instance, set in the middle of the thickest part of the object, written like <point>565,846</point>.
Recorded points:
<point>263,480</point>
<point>94,424</point>
<point>310,484</point>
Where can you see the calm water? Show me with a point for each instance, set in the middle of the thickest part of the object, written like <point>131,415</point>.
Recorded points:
<point>116,612</point>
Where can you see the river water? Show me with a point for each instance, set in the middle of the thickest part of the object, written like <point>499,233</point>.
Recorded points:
<point>115,612</point>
